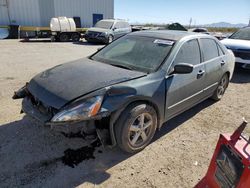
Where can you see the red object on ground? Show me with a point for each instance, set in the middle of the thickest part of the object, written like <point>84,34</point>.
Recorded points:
<point>230,165</point>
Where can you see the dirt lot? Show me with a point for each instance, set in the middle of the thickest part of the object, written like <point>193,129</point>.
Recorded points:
<point>31,155</point>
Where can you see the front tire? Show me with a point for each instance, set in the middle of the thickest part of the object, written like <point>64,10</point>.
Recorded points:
<point>64,37</point>
<point>220,90</point>
<point>110,39</point>
<point>136,127</point>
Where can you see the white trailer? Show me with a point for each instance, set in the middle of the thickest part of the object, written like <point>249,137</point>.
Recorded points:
<point>63,29</point>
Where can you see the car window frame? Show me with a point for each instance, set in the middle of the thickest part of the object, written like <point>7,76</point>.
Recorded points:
<point>114,25</point>
<point>202,49</point>
<point>160,65</point>
<point>170,67</point>
<point>220,49</point>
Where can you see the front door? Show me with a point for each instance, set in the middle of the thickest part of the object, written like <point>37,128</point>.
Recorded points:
<point>117,28</point>
<point>185,90</point>
<point>97,18</point>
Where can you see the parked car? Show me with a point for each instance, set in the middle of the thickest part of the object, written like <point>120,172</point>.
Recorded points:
<point>200,30</point>
<point>239,43</point>
<point>128,89</point>
<point>106,31</point>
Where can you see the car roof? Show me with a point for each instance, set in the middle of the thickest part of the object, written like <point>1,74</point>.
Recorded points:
<point>113,20</point>
<point>166,34</point>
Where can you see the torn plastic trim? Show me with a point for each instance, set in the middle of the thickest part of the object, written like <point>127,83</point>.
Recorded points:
<point>21,93</point>
<point>120,90</point>
<point>113,119</point>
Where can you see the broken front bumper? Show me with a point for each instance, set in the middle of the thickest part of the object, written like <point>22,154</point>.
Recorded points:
<point>44,118</point>
<point>34,112</point>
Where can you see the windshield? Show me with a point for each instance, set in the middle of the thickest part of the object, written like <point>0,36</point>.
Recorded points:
<point>136,53</point>
<point>243,34</point>
<point>104,24</point>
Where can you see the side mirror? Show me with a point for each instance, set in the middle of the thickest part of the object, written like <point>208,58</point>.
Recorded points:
<point>183,68</point>
<point>114,28</point>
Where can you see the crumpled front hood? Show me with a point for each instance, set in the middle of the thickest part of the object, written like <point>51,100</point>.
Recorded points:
<point>236,44</point>
<point>61,84</point>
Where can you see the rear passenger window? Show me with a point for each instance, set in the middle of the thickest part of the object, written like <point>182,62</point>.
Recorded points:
<point>189,53</point>
<point>210,49</point>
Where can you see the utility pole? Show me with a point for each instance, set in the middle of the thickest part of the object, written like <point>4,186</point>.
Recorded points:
<point>190,22</point>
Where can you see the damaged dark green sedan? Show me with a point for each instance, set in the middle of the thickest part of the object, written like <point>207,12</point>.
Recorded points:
<point>125,92</point>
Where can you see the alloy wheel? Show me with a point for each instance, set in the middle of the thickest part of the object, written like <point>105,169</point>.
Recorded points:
<point>222,86</point>
<point>140,130</point>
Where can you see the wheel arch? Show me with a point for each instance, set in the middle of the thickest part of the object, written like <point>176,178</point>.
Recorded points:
<point>113,37</point>
<point>116,115</point>
<point>228,74</point>
<point>111,34</point>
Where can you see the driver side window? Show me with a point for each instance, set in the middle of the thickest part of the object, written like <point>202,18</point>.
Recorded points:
<point>117,25</point>
<point>188,53</point>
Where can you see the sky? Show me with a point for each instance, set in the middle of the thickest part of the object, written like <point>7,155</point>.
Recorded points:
<point>167,11</point>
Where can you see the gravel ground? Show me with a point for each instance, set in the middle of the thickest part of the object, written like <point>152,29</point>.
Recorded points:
<point>31,155</point>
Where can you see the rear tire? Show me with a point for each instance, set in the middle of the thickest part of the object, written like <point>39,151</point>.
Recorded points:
<point>136,127</point>
<point>64,37</point>
<point>220,90</point>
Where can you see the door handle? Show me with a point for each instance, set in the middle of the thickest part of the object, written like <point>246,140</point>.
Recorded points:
<point>200,74</point>
<point>222,62</point>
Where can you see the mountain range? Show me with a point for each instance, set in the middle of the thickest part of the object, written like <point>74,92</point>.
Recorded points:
<point>225,24</point>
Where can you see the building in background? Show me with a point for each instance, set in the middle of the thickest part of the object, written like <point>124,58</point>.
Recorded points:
<point>39,12</point>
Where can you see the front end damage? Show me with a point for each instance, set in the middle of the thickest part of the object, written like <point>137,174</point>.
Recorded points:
<point>90,128</point>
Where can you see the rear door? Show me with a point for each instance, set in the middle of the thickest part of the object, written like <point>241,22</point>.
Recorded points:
<point>213,59</point>
<point>185,90</point>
